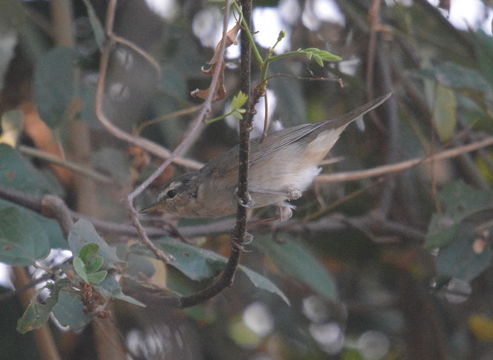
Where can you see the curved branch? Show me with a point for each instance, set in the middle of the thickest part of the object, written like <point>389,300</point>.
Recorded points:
<point>140,142</point>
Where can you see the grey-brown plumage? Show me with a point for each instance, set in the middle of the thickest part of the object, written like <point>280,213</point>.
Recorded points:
<point>281,167</point>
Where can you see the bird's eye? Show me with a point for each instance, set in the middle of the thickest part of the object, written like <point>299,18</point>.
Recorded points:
<point>171,193</point>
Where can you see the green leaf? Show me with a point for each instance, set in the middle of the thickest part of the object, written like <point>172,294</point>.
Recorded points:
<point>89,255</point>
<point>196,263</point>
<point>37,314</point>
<point>96,26</point>
<point>456,77</point>
<point>83,233</point>
<point>80,268</point>
<point>319,55</point>
<point>459,260</point>
<point>18,173</point>
<point>441,231</point>
<point>460,202</point>
<point>22,239</point>
<point>110,287</point>
<point>54,84</point>
<point>464,81</point>
<point>69,311</point>
<point>239,100</point>
<point>444,112</point>
<point>484,52</point>
<point>88,251</point>
<point>292,258</point>
<point>200,264</point>
<point>94,263</point>
<point>96,277</point>
<point>261,282</point>
<point>352,354</point>
<point>50,226</point>
<point>318,60</point>
<point>139,264</point>
<point>87,267</point>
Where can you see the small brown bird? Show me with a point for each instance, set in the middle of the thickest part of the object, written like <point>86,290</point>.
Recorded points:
<point>281,167</point>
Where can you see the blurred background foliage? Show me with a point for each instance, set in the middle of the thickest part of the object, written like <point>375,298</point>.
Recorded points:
<point>400,269</point>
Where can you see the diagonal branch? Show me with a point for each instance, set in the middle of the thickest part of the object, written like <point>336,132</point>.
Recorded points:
<point>193,131</point>
<point>404,165</point>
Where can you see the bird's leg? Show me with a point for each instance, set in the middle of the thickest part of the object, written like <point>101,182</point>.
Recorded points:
<point>285,211</point>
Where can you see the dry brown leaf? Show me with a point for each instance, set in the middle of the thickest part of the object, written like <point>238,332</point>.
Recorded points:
<point>221,90</point>
<point>230,40</point>
<point>43,139</point>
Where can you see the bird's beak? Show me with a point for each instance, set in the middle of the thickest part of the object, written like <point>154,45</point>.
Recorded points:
<point>151,208</point>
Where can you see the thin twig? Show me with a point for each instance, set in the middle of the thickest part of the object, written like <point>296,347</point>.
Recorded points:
<point>325,225</point>
<point>173,115</point>
<point>306,78</point>
<point>404,165</point>
<point>25,287</point>
<point>77,168</point>
<point>194,129</point>
<point>33,203</point>
<point>110,17</point>
<point>341,201</point>
<point>139,51</point>
<point>140,142</point>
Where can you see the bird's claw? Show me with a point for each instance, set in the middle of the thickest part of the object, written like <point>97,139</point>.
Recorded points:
<point>293,193</point>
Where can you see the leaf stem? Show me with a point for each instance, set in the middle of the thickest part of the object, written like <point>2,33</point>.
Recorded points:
<point>248,33</point>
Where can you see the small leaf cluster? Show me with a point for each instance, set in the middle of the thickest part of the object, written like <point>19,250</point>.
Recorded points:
<point>84,287</point>
<point>319,56</point>
<point>237,110</point>
<point>88,264</point>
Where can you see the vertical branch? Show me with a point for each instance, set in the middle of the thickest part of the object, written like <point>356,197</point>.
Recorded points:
<point>79,135</point>
<point>239,233</point>
<point>61,14</point>
<point>392,148</point>
<point>245,128</point>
